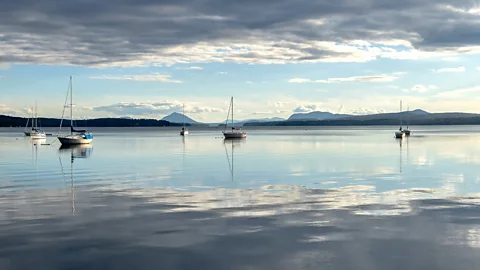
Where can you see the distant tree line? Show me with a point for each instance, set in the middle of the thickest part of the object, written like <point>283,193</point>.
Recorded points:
<point>11,121</point>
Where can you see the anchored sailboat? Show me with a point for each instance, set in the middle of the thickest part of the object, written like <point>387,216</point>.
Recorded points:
<point>36,133</point>
<point>407,130</point>
<point>235,133</point>
<point>76,136</point>
<point>184,130</point>
<point>399,134</point>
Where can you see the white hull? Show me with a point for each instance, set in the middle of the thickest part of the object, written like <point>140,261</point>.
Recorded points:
<point>184,133</point>
<point>399,134</point>
<point>38,136</point>
<point>71,140</point>
<point>234,135</point>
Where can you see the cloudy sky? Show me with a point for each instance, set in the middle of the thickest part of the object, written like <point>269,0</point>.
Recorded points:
<point>145,58</point>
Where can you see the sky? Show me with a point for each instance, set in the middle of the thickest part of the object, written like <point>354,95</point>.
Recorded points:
<point>146,58</point>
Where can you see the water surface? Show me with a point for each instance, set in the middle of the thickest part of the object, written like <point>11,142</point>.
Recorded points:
<point>304,198</point>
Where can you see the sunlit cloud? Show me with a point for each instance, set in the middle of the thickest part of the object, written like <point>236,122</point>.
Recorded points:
<point>355,79</point>
<point>190,68</point>
<point>142,78</point>
<point>450,70</point>
<point>420,88</point>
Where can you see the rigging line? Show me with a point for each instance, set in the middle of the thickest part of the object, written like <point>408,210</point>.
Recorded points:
<point>63,113</point>
<point>228,115</point>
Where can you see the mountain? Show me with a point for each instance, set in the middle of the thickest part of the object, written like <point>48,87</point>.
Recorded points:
<point>179,118</point>
<point>12,121</point>
<point>415,117</point>
<point>316,116</point>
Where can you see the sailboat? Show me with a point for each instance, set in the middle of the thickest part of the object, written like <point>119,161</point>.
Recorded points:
<point>399,133</point>
<point>76,136</point>
<point>407,130</point>
<point>36,133</point>
<point>184,130</point>
<point>28,131</point>
<point>235,133</point>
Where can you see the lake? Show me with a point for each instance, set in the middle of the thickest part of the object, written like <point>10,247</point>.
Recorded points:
<point>284,198</point>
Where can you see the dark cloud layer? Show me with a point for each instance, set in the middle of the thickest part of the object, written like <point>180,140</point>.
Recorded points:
<point>138,32</point>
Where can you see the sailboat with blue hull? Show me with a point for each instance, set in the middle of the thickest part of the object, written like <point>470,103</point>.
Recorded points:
<point>76,136</point>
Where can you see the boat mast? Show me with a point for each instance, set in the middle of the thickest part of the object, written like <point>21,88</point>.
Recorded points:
<point>401,115</point>
<point>183,116</point>
<point>32,119</point>
<point>408,115</point>
<point>71,106</point>
<point>36,116</point>
<point>232,111</point>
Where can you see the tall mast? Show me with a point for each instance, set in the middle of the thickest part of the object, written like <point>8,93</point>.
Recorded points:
<point>184,116</point>
<point>408,115</point>
<point>32,119</point>
<point>36,116</point>
<point>401,114</point>
<point>232,111</point>
<point>71,106</point>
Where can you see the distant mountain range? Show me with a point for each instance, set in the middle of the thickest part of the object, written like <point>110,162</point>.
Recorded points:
<point>316,116</point>
<point>415,117</point>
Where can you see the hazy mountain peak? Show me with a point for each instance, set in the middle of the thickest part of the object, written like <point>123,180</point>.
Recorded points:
<point>176,117</point>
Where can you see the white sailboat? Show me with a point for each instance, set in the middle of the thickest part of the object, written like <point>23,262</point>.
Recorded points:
<point>28,131</point>
<point>235,133</point>
<point>36,133</point>
<point>407,130</point>
<point>399,134</point>
<point>76,136</point>
<point>184,131</point>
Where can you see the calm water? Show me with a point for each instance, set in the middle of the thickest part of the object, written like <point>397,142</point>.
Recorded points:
<point>282,199</point>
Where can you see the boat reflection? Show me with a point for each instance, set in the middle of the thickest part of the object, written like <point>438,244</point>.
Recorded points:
<point>234,143</point>
<point>76,151</point>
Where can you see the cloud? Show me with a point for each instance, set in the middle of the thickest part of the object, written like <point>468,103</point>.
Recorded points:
<point>155,108</point>
<point>449,70</point>
<point>4,66</point>
<point>478,68</point>
<point>450,59</point>
<point>143,78</point>
<point>420,88</point>
<point>191,68</point>
<point>300,80</point>
<point>148,32</point>
<point>460,93</point>
<point>354,79</point>
<point>222,73</point>
<point>306,108</point>
<point>365,111</point>
<point>249,82</point>
<point>6,110</point>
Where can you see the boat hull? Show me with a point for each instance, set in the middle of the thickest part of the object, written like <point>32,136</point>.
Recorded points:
<point>407,132</point>
<point>27,133</point>
<point>38,136</point>
<point>184,133</point>
<point>234,135</point>
<point>73,140</point>
<point>399,135</point>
